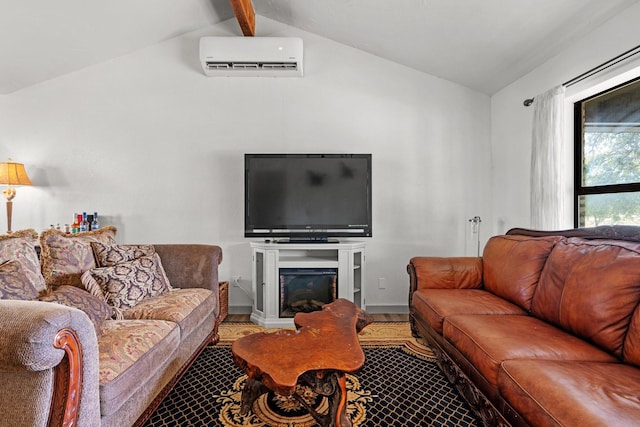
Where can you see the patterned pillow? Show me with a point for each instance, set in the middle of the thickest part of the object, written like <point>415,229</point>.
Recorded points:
<point>66,256</point>
<point>125,285</point>
<point>20,245</point>
<point>14,283</point>
<point>97,310</point>
<point>110,255</point>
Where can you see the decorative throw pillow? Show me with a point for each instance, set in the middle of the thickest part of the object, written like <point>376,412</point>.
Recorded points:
<point>21,246</point>
<point>66,256</point>
<point>90,285</point>
<point>110,255</point>
<point>14,283</point>
<point>97,310</point>
<point>125,285</point>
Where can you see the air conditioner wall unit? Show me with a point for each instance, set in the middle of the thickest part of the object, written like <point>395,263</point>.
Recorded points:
<point>251,56</point>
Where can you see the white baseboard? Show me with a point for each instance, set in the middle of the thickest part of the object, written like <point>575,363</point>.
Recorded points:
<point>388,309</point>
<point>378,309</point>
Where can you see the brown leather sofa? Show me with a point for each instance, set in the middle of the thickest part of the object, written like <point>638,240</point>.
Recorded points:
<point>543,329</point>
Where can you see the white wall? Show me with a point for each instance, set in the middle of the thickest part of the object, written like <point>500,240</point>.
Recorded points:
<point>157,148</point>
<point>512,122</point>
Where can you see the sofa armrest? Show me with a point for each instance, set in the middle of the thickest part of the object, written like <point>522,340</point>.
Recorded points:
<point>191,265</point>
<point>445,273</point>
<point>48,365</point>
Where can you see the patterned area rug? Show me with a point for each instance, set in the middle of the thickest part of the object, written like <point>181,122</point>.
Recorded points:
<point>399,385</point>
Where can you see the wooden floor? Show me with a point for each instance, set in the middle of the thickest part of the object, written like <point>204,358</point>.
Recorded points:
<point>376,317</point>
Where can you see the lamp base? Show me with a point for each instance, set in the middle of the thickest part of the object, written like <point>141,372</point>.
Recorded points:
<point>9,209</point>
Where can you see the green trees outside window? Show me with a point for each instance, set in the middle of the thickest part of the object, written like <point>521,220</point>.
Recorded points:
<point>607,161</point>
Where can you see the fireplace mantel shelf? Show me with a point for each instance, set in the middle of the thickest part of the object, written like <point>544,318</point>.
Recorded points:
<point>346,259</point>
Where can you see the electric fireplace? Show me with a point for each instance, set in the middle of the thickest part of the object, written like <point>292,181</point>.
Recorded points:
<point>306,289</point>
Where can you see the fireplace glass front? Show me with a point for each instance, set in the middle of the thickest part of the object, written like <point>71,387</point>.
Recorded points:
<point>306,289</point>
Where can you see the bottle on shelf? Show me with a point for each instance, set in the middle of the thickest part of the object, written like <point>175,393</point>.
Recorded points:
<point>79,220</point>
<point>67,229</point>
<point>95,224</point>
<point>75,226</point>
<point>84,224</point>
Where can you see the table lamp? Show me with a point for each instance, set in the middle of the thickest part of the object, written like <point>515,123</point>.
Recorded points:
<point>12,173</point>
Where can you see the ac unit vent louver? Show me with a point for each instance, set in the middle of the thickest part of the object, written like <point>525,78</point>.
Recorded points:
<point>245,66</point>
<point>218,65</point>
<point>280,66</point>
<point>251,56</point>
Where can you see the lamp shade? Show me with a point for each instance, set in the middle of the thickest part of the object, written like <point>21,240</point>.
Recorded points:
<point>12,173</point>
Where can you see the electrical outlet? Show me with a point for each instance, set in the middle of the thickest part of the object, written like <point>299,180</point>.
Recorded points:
<point>382,283</point>
<point>236,281</point>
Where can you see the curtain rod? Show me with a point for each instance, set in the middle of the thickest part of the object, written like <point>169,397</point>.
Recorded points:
<point>595,70</point>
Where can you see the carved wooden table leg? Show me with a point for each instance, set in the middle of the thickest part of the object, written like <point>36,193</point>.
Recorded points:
<point>251,391</point>
<point>332,385</point>
<point>342,406</point>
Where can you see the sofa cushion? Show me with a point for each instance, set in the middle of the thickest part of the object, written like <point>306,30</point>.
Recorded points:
<point>631,350</point>
<point>108,255</point>
<point>97,310</point>
<point>129,350</point>
<point>434,305</point>
<point>127,284</point>
<point>591,289</point>
<point>512,265</point>
<point>571,393</point>
<point>187,307</point>
<point>14,283</point>
<point>66,256</point>
<point>21,246</point>
<point>488,340</point>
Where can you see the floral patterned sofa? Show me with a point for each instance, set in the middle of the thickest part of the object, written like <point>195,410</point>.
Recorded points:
<point>94,333</point>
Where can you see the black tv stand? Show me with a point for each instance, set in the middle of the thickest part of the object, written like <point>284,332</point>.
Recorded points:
<point>308,240</point>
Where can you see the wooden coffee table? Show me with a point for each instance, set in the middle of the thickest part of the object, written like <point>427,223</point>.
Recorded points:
<point>318,353</point>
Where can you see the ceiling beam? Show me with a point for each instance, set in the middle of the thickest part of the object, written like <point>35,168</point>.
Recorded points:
<point>246,16</point>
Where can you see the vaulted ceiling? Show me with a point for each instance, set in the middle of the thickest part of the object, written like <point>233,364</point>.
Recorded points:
<point>484,45</point>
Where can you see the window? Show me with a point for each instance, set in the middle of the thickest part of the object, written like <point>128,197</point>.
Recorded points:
<point>607,157</point>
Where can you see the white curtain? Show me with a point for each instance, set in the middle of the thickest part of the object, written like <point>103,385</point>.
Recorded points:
<point>547,164</point>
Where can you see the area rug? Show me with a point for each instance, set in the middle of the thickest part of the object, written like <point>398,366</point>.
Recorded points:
<point>399,385</point>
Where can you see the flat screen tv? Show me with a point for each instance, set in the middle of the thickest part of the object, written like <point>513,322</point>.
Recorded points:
<point>307,197</point>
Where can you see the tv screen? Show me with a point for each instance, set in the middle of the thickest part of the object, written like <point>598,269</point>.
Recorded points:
<point>308,196</point>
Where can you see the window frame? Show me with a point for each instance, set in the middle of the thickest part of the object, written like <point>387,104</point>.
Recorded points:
<point>578,151</point>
